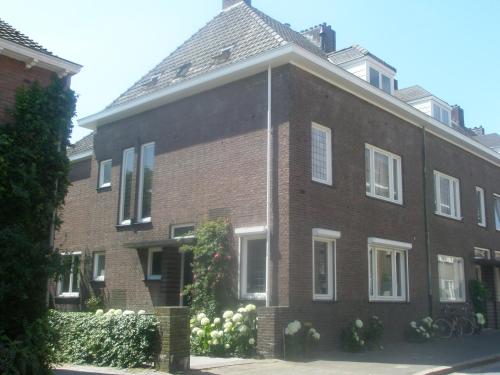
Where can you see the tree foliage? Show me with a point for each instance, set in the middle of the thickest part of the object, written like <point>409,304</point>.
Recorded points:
<point>33,184</point>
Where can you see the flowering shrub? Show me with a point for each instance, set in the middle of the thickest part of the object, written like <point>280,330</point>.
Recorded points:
<point>373,333</point>
<point>421,331</point>
<point>232,335</point>
<point>209,290</point>
<point>300,339</point>
<point>352,338</point>
<point>114,338</point>
<point>480,321</point>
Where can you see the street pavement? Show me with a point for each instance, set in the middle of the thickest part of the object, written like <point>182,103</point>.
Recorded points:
<point>493,368</point>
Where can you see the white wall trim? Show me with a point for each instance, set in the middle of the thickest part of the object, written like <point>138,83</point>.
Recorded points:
<point>81,156</point>
<point>244,231</point>
<point>326,233</point>
<point>375,241</point>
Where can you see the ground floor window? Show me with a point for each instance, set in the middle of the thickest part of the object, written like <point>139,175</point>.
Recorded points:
<point>69,282</point>
<point>451,279</point>
<point>323,260</point>
<point>388,271</point>
<point>154,263</point>
<point>99,266</point>
<point>252,264</point>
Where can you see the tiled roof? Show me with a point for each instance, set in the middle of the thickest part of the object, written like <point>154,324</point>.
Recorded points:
<point>245,29</point>
<point>84,144</point>
<point>489,140</point>
<point>10,34</point>
<point>352,53</point>
<point>412,93</point>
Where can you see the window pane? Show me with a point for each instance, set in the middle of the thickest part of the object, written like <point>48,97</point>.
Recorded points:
<point>128,169</point>
<point>374,77</point>
<point>497,213</point>
<point>480,206</point>
<point>451,280</point>
<point>147,178</point>
<point>384,273</point>
<point>101,265</point>
<point>65,281</point>
<point>183,231</point>
<point>156,263</point>
<point>381,175</point>
<point>445,206</point>
<point>320,267</point>
<point>367,170</point>
<point>436,112</point>
<point>395,175</point>
<point>256,266</point>
<point>445,118</point>
<point>399,274</point>
<point>105,173</point>
<point>386,84</point>
<point>319,154</point>
<point>372,272</point>
<point>76,274</point>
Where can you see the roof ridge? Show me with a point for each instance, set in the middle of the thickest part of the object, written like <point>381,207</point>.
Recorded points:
<point>258,17</point>
<point>28,42</point>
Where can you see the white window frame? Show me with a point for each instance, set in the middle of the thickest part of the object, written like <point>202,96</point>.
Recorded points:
<point>375,244</point>
<point>454,209</point>
<point>151,251</point>
<point>244,235</point>
<point>392,157</point>
<point>122,186</point>
<point>381,73</point>
<point>329,237</point>
<point>176,226</point>
<point>95,276</point>
<point>497,255</point>
<point>480,250</point>
<point>482,207</point>
<point>497,283</point>
<point>461,279</point>
<point>141,182</point>
<point>71,281</point>
<point>329,172</point>
<point>496,197</point>
<point>102,164</point>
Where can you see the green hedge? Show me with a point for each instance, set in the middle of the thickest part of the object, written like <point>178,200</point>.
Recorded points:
<point>111,339</point>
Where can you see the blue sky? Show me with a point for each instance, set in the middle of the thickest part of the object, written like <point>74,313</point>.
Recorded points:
<point>450,47</point>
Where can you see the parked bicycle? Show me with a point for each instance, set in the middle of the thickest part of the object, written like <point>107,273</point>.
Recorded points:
<point>456,321</point>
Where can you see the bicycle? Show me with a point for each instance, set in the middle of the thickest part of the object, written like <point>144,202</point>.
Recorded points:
<point>454,321</point>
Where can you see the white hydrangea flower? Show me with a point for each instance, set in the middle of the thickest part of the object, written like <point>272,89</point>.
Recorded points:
<point>215,342</point>
<point>287,331</point>
<point>243,328</point>
<point>205,321</point>
<point>362,342</point>
<point>200,316</point>
<point>250,307</point>
<point>228,314</point>
<point>209,342</point>
<point>316,336</point>
<point>242,310</point>
<point>293,327</point>
<point>228,325</point>
<point>213,334</point>
<point>128,312</point>
<point>359,323</point>
<point>227,346</point>
<point>237,317</point>
<point>195,331</point>
<point>220,334</point>
<point>226,330</point>
<point>118,312</point>
<point>413,324</point>
<point>141,312</point>
<point>200,333</point>
<point>99,312</point>
<point>312,331</point>
<point>251,341</point>
<point>110,312</point>
<point>217,321</point>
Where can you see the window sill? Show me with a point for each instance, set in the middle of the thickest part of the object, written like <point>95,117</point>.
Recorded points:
<point>378,300</point>
<point>103,188</point>
<point>323,299</point>
<point>459,218</point>
<point>387,200</point>
<point>68,295</point>
<point>451,301</point>
<point>322,183</point>
<point>98,280</point>
<point>253,297</point>
<point>153,278</point>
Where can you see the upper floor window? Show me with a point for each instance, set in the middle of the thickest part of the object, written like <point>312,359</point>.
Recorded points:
<point>496,202</point>
<point>480,209</point>
<point>451,279</point>
<point>447,195</point>
<point>99,266</point>
<point>383,174</point>
<point>441,114</point>
<point>146,181</point>
<point>125,214</point>
<point>321,154</point>
<point>380,80</point>
<point>105,173</point>
<point>69,282</point>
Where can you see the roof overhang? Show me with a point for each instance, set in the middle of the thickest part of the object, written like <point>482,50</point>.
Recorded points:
<point>81,156</point>
<point>33,58</point>
<point>297,56</point>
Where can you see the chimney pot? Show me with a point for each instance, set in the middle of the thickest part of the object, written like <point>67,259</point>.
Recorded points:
<point>229,3</point>
<point>322,36</point>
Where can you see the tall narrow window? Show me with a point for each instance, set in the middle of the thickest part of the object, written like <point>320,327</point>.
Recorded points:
<point>321,154</point>
<point>480,209</point>
<point>451,279</point>
<point>69,283</point>
<point>447,195</point>
<point>99,266</point>
<point>125,216</point>
<point>155,263</point>
<point>105,173</point>
<point>496,202</point>
<point>383,174</point>
<point>386,84</point>
<point>374,78</point>
<point>323,258</point>
<point>253,267</point>
<point>387,272</point>
<point>146,181</point>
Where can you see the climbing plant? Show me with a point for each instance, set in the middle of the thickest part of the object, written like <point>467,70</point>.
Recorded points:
<point>33,184</point>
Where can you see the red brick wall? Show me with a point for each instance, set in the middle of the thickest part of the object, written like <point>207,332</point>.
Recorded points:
<point>13,73</point>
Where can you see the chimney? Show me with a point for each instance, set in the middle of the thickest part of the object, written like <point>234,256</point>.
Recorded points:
<point>322,36</point>
<point>229,3</point>
<point>478,130</point>
<point>457,116</point>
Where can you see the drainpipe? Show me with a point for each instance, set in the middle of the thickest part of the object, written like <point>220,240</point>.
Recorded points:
<point>269,187</point>
<point>426,220</point>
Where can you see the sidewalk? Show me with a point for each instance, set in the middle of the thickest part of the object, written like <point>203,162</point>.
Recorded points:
<point>398,358</point>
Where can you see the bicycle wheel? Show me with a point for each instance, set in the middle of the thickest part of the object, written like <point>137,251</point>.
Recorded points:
<point>466,326</point>
<point>443,328</point>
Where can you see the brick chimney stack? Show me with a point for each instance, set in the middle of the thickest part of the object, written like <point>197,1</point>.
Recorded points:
<point>323,36</point>
<point>230,3</point>
<point>457,116</point>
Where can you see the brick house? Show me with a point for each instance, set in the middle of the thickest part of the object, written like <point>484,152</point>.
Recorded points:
<point>23,61</point>
<point>347,196</point>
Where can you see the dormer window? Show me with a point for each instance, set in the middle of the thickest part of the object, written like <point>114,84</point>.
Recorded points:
<point>224,55</point>
<point>380,80</point>
<point>183,70</point>
<point>441,114</point>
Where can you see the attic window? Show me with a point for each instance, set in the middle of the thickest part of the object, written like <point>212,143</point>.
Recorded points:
<point>183,70</point>
<point>224,55</point>
<point>154,79</point>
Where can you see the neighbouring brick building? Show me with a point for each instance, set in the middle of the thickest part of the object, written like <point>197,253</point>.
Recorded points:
<point>347,196</point>
<point>23,61</point>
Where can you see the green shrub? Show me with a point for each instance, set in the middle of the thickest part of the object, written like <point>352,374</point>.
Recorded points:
<point>234,334</point>
<point>373,333</point>
<point>301,340</point>
<point>112,339</point>
<point>352,339</point>
<point>93,304</point>
<point>479,295</point>
<point>420,331</point>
